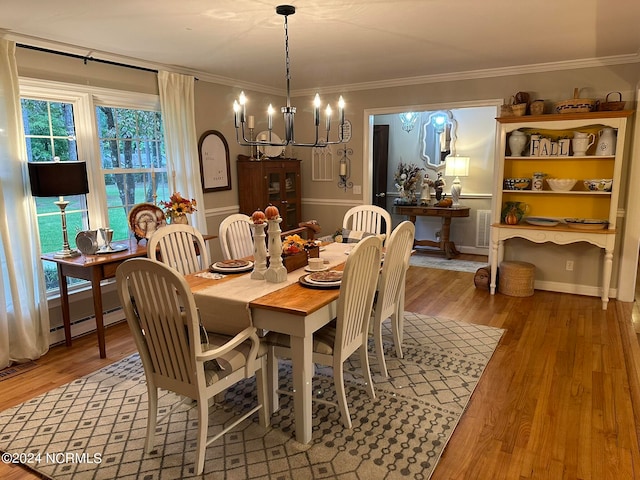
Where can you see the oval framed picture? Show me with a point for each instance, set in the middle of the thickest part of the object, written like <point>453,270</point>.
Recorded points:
<point>215,167</point>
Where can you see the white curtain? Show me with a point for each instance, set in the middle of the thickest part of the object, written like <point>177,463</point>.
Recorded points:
<point>181,141</point>
<point>24,314</point>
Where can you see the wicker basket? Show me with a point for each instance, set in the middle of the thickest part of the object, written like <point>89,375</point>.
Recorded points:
<point>516,279</point>
<point>608,106</point>
<point>576,105</point>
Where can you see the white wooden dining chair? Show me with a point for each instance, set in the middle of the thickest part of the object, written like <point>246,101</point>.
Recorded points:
<point>367,218</point>
<point>334,343</point>
<point>179,246</point>
<point>163,318</point>
<point>236,238</point>
<point>389,302</point>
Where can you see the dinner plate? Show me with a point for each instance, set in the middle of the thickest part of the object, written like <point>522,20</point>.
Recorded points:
<point>586,223</point>
<point>231,266</point>
<point>146,218</point>
<point>542,221</point>
<point>325,277</point>
<point>269,150</point>
<point>305,282</point>
<point>307,269</point>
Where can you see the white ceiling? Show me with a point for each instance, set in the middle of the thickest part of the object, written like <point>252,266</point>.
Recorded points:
<point>332,42</point>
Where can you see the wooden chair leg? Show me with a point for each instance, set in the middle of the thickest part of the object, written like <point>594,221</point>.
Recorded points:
<point>272,381</point>
<point>341,396</point>
<point>377,338</point>
<point>152,417</point>
<point>201,444</point>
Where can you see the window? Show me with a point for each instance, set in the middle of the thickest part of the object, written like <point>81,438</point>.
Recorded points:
<point>118,134</point>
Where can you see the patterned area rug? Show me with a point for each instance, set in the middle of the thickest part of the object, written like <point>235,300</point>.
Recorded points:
<point>94,427</point>
<point>432,261</point>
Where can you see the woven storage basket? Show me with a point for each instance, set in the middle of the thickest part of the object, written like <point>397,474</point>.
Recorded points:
<point>516,279</point>
<point>608,106</point>
<point>576,105</point>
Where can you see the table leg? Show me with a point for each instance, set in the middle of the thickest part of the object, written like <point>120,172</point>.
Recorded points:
<point>446,245</point>
<point>606,277</point>
<point>302,362</point>
<point>64,304</point>
<point>495,247</point>
<point>97,308</point>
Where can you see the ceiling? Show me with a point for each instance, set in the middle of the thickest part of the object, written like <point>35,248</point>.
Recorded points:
<point>333,43</point>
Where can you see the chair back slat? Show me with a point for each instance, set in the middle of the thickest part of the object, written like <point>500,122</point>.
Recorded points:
<point>367,218</point>
<point>181,247</point>
<point>162,322</point>
<point>396,263</point>
<point>356,295</point>
<point>236,238</point>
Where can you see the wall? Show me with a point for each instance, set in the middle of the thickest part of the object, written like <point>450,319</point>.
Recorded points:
<point>325,201</point>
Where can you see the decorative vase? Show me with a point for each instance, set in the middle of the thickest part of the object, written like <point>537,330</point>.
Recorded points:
<point>276,273</point>
<point>606,142</point>
<point>259,251</point>
<point>517,142</point>
<point>181,219</point>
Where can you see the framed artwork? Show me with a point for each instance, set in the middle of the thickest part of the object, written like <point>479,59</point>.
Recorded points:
<point>215,167</point>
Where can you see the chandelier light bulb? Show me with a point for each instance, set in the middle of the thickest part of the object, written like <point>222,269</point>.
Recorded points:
<point>288,111</point>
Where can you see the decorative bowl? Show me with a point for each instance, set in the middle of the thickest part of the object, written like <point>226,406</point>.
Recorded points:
<point>561,184</point>
<point>598,184</point>
<point>517,183</point>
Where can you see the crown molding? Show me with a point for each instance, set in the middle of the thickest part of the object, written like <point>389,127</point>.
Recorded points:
<point>397,82</point>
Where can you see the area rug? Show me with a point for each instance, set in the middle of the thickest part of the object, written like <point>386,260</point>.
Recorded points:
<point>94,427</point>
<point>442,263</point>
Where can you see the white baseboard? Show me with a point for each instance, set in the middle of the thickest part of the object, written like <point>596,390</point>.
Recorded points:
<point>84,326</point>
<point>588,290</point>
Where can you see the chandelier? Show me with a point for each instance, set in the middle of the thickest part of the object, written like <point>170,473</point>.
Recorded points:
<point>242,122</point>
<point>409,120</point>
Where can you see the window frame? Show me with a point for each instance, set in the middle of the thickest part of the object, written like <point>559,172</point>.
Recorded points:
<point>85,99</point>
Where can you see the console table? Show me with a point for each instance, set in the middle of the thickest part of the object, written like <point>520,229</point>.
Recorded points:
<point>94,268</point>
<point>445,245</point>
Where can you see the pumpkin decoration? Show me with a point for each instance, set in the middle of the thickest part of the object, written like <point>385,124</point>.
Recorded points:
<point>258,217</point>
<point>272,212</point>
<point>511,218</point>
<point>445,202</point>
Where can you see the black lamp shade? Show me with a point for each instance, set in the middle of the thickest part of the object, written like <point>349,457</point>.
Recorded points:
<point>57,179</point>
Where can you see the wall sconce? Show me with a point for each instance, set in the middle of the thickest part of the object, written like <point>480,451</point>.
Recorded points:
<point>409,120</point>
<point>456,166</point>
<point>344,168</point>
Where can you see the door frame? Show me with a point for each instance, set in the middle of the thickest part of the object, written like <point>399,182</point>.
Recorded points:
<point>367,121</point>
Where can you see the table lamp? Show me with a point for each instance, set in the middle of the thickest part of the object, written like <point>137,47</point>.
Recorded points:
<point>57,179</point>
<point>456,166</point>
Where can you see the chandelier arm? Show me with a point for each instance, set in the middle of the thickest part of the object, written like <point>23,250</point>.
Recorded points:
<point>288,111</point>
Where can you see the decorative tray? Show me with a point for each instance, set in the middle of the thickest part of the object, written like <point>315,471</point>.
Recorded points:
<point>231,266</point>
<point>586,223</point>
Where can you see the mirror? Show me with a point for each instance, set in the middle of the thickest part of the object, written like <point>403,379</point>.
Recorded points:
<point>438,137</point>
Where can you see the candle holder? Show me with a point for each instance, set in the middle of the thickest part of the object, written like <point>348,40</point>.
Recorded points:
<point>344,168</point>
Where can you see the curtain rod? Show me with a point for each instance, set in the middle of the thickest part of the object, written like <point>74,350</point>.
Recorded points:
<point>85,58</point>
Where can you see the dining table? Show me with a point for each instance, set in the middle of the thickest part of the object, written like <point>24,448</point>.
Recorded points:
<point>228,303</point>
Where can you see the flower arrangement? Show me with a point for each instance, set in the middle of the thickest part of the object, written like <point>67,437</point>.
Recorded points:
<point>178,206</point>
<point>293,244</point>
<point>407,177</point>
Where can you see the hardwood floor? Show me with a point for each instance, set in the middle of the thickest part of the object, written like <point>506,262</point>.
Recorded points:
<point>560,399</point>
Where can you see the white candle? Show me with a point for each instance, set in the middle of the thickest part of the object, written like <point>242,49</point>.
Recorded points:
<point>251,122</point>
<point>343,169</point>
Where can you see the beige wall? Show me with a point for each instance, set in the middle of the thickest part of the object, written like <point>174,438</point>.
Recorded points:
<point>325,201</point>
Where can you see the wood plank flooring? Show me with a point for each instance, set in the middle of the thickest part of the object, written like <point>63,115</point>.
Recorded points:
<point>560,399</point>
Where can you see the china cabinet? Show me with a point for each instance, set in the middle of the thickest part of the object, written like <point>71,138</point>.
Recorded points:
<point>274,181</point>
<point>580,213</point>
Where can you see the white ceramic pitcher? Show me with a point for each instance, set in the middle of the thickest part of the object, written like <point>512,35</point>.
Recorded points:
<point>606,142</point>
<point>581,142</point>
